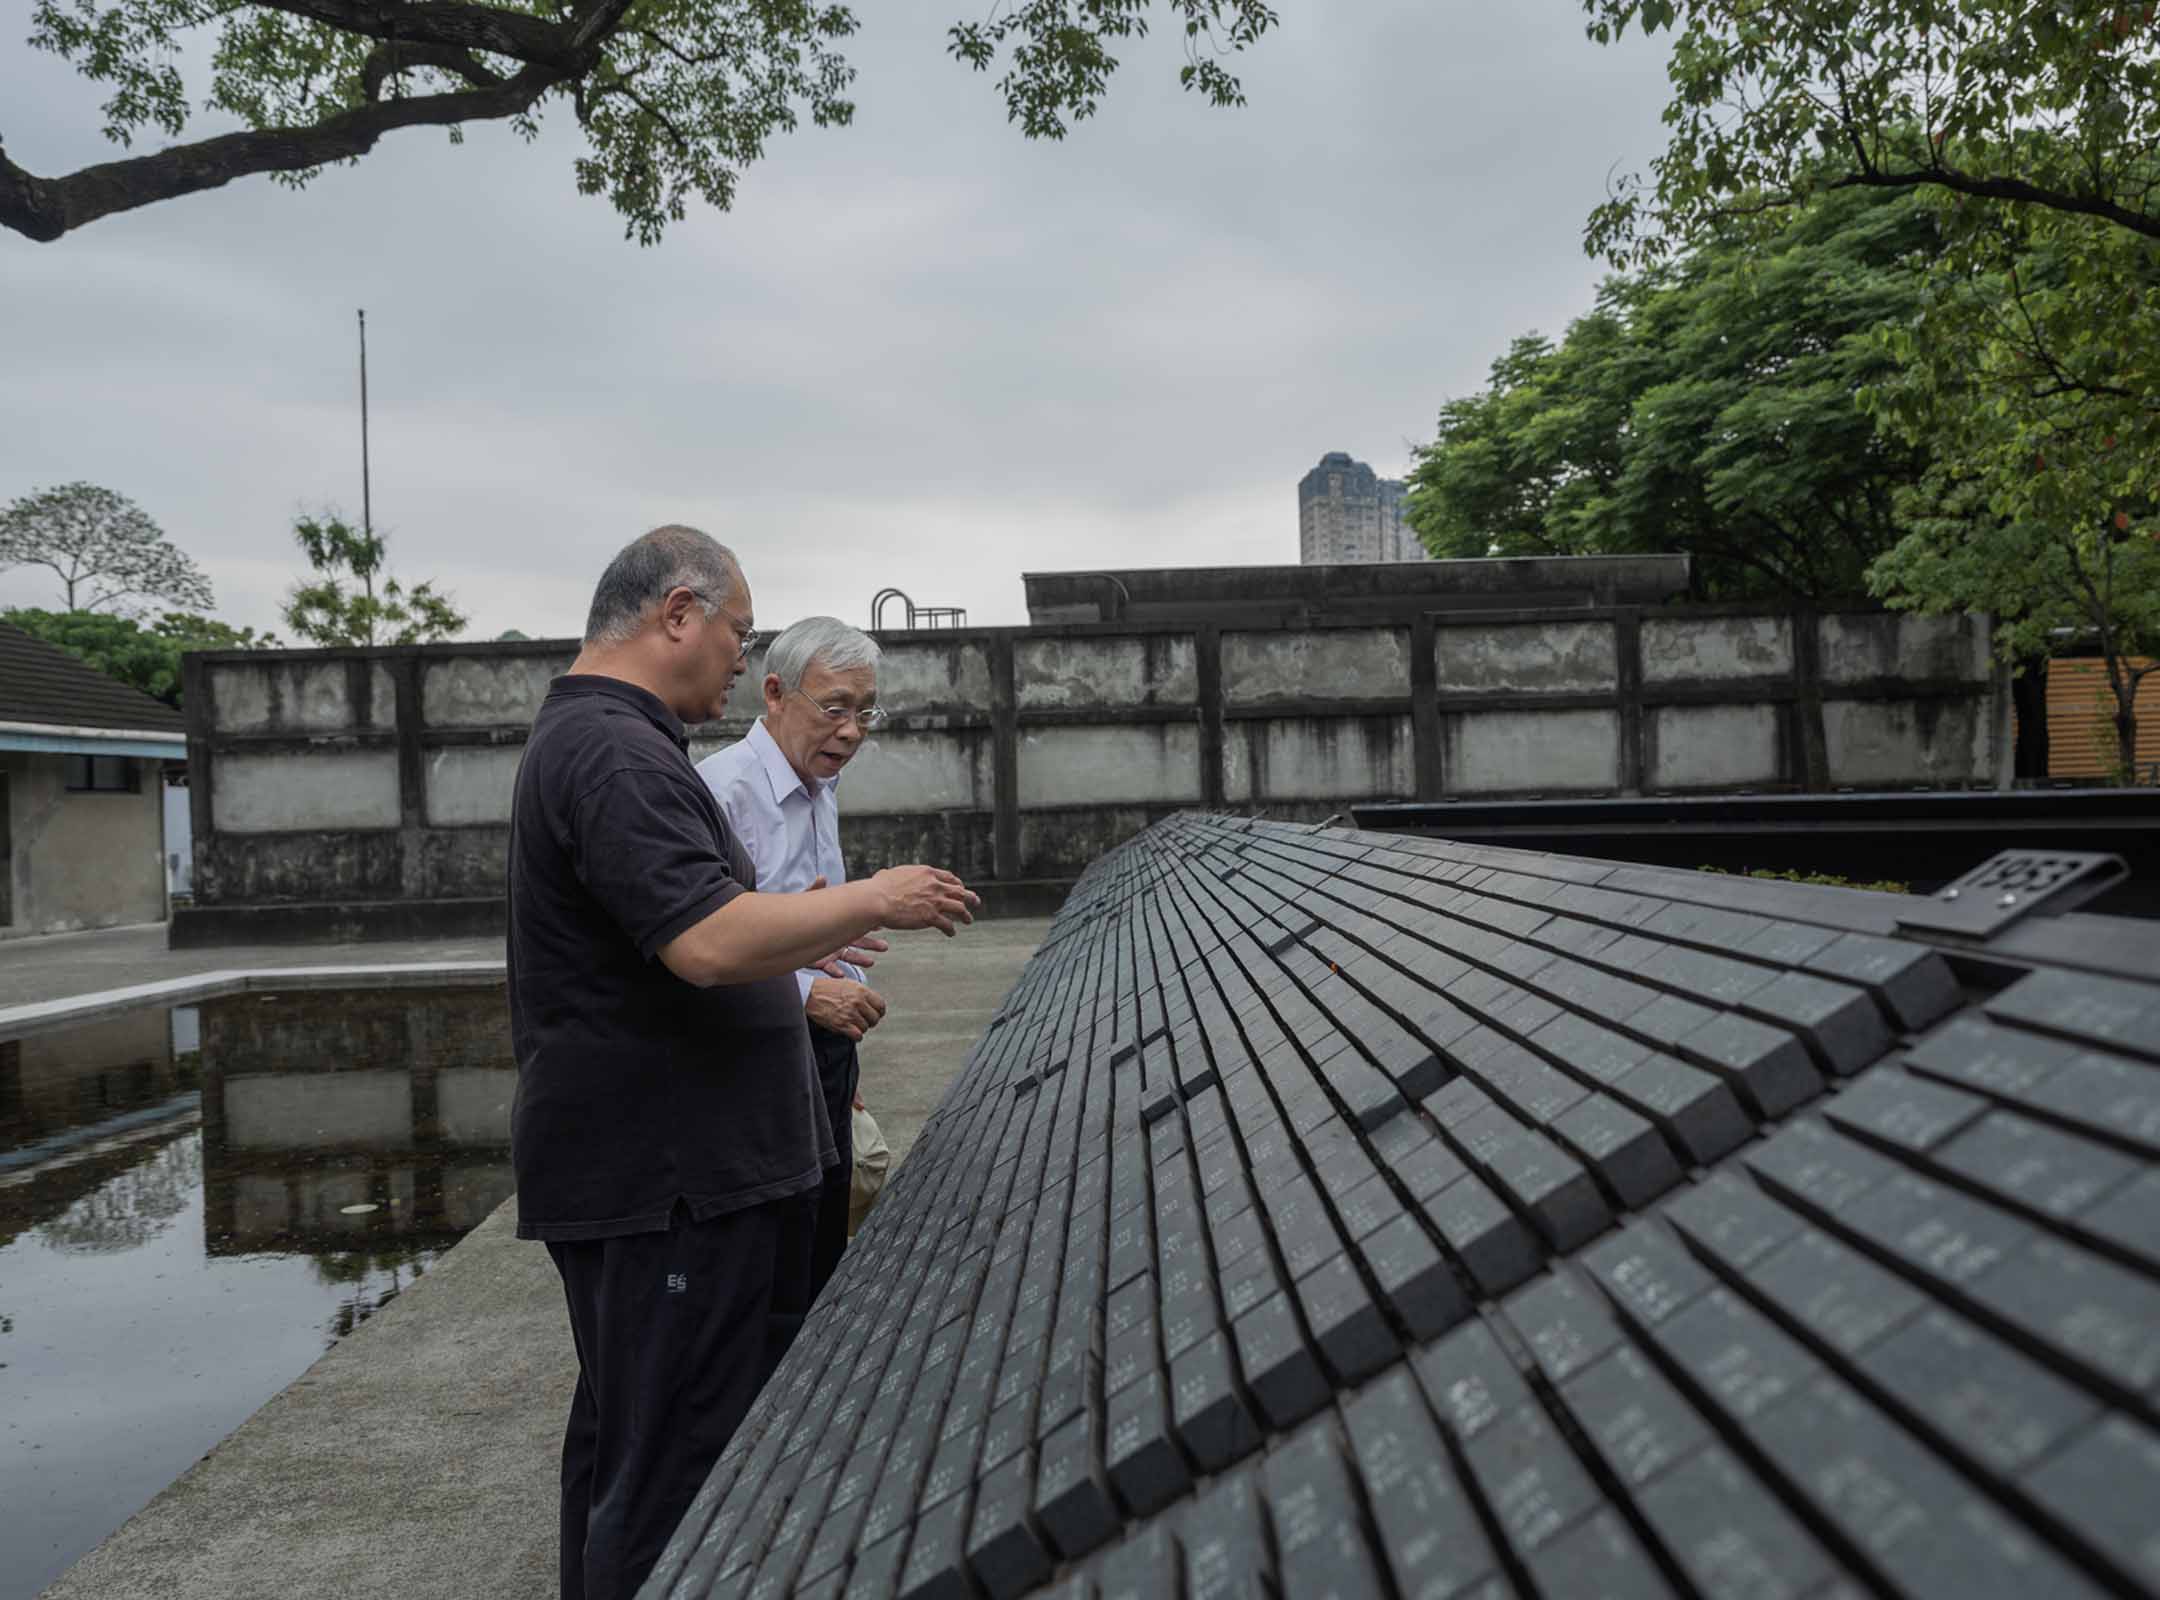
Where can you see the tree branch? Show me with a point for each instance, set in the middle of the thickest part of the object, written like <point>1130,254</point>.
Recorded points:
<point>46,208</point>
<point>388,60</point>
<point>2004,189</point>
<point>443,23</point>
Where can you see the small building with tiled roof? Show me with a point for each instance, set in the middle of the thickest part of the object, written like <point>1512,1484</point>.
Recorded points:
<point>82,757</point>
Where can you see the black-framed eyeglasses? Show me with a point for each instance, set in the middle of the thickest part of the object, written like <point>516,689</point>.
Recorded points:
<point>867,718</point>
<point>748,635</point>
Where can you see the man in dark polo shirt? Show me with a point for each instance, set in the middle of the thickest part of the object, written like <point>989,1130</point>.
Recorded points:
<point>668,1133</point>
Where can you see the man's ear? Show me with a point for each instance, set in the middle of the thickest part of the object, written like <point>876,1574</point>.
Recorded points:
<point>774,692</point>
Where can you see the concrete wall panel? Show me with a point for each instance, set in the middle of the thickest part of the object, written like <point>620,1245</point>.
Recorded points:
<point>325,865</point>
<point>1063,844</point>
<point>487,691</point>
<point>1867,648</point>
<point>1680,648</point>
<point>926,771</point>
<point>1151,763</point>
<point>369,1109</point>
<point>1580,657</point>
<point>960,841</point>
<point>1701,747</point>
<point>1903,742</point>
<point>464,863</point>
<point>1316,664</point>
<point>1532,752</point>
<point>1063,674</point>
<point>1318,758</point>
<point>471,784</point>
<point>311,790</point>
<point>915,675</point>
<point>271,694</point>
<point>74,860</point>
<point>473,1104</point>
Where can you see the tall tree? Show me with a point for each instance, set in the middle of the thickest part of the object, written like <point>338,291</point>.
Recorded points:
<point>674,97</point>
<point>144,655</point>
<point>102,547</point>
<point>2033,368</point>
<point>2023,371</point>
<point>1704,406</point>
<point>380,610</point>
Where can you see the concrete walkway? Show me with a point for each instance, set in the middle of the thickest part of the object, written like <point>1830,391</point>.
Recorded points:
<point>418,1456</point>
<point>63,965</point>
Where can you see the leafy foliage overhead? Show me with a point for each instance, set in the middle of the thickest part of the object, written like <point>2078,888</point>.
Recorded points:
<point>1704,406</point>
<point>102,547</point>
<point>2044,104</point>
<point>675,98</point>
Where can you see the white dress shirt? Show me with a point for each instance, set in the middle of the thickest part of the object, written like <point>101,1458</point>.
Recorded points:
<point>790,832</point>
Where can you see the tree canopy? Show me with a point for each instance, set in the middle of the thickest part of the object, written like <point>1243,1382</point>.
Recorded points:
<point>146,656</point>
<point>102,547</point>
<point>674,97</point>
<point>2051,106</point>
<point>1706,406</point>
<point>2031,368</point>
<point>380,610</point>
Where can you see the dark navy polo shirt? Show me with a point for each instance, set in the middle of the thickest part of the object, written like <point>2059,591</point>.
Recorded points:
<point>635,1089</point>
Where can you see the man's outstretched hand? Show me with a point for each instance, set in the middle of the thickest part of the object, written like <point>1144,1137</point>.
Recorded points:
<point>844,1006</point>
<point>926,897</point>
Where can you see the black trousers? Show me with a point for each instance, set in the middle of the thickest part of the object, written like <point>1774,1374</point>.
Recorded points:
<point>676,1332</point>
<point>839,1071</point>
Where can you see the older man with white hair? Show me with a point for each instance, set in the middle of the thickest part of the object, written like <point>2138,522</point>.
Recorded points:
<point>778,787</point>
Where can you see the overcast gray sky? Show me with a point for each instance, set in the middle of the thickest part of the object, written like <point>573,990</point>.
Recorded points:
<point>920,351</point>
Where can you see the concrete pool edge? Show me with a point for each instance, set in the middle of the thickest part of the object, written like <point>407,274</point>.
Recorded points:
<point>404,1459</point>
<point>44,1016</point>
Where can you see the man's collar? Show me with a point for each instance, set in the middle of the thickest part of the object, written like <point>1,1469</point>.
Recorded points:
<point>630,694</point>
<point>779,771</point>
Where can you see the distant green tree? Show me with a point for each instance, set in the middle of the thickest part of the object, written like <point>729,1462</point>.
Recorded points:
<point>2031,369</point>
<point>1704,406</point>
<point>102,546</point>
<point>2028,371</point>
<point>370,612</point>
<point>146,657</point>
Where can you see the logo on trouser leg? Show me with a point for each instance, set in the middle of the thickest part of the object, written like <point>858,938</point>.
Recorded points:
<point>678,1282</point>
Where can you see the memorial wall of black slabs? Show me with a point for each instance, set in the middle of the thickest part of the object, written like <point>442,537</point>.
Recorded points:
<point>1332,1213</point>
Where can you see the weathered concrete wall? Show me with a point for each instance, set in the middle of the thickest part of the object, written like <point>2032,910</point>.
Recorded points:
<point>315,1101</point>
<point>78,860</point>
<point>1017,755</point>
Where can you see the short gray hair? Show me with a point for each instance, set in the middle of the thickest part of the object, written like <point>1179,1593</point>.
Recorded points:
<point>642,573</point>
<point>825,639</point>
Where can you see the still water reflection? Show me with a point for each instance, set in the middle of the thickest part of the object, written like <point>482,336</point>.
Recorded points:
<point>195,1204</point>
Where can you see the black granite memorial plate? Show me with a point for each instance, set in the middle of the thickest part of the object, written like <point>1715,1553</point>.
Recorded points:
<point>1334,1213</point>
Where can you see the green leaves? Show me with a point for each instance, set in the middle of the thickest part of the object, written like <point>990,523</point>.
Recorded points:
<point>148,658</point>
<point>1061,61</point>
<point>676,98</point>
<point>1774,100</point>
<point>327,611</point>
<point>1704,406</point>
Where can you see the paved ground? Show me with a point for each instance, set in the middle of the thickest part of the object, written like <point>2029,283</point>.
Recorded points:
<point>417,1458</point>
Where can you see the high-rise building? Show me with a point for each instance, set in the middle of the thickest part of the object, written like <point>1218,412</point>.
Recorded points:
<point>1346,512</point>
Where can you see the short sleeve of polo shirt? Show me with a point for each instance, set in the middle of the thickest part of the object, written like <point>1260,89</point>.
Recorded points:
<point>643,845</point>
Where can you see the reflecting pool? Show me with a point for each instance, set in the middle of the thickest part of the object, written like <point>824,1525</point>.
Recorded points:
<point>195,1204</point>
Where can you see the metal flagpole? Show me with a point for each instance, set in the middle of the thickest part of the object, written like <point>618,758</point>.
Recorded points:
<point>367,519</point>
